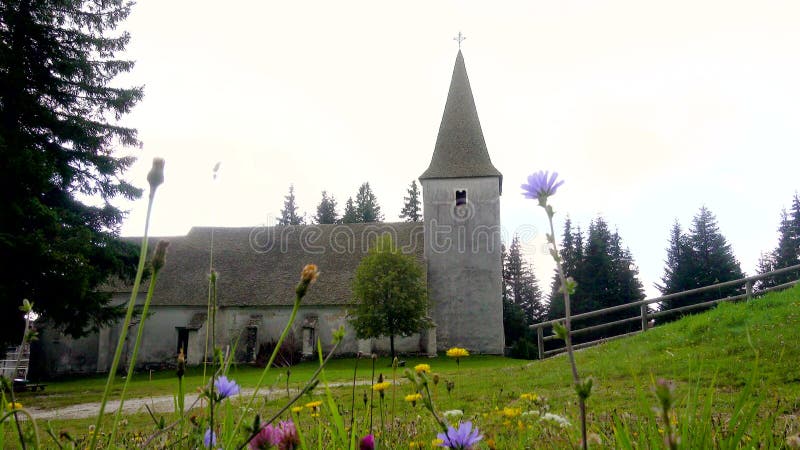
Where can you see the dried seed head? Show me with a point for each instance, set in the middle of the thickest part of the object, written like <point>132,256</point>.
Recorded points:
<point>156,175</point>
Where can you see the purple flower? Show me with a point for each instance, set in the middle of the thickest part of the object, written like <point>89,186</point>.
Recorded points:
<point>462,438</point>
<point>541,185</point>
<point>268,437</point>
<point>209,439</point>
<point>367,443</point>
<point>226,388</point>
<point>289,440</point>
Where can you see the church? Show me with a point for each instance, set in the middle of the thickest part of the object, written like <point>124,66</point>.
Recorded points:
<point>458,243</point>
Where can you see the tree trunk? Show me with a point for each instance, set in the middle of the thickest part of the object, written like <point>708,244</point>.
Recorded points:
<point>391,345</point>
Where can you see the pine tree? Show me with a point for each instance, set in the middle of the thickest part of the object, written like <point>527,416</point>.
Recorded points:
<point>289,214</point>
<point>367,208</point>
<point>787,253</point>
<point>605,274</point>
<point>680,264</point>
<point>59,131</point>
<point>523,288</point>
<point>571,252</point>
<point>326,210</point>
<point>411,209</point>
<point>705,258</point>
<point>350,213</point>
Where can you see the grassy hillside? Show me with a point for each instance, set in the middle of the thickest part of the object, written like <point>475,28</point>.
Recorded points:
<point>736,371</point>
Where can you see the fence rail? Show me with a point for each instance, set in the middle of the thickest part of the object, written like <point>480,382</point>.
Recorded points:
<point>645,313</point>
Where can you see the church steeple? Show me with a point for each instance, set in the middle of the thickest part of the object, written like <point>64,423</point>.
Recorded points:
<point>460,150</point>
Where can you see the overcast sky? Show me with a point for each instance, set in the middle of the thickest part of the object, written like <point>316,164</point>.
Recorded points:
<point>648,110</point>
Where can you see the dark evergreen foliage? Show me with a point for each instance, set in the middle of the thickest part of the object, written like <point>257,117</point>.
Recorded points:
<point>289,215</point>
<point>700,258</point>
<point>787,253</point>
<point>411,209</point>
<point>390,295</point>
<point>59,112</point>
<point>605,274</point>
<point>350,213</point>
<point>326,210</point>
<point>522,288</point>
<point>367,208</point>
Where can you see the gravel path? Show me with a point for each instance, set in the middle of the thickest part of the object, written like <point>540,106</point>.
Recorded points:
<point>162,404</point>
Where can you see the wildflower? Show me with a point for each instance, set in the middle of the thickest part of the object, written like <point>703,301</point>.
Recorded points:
<point>561,421</point>
<point>453,413</point>
<point>530,397</point>
<point>413,398</point>
<point>160,255</point>
<point>422,368</point>
<point>511,412</point>
<point>181,363</point>
<point>225,387</point>
<point>307,276</point>
<point>297,409</point>
<point>530,413</point>
<point>367,443</point>
<point>14,405</point>
<point>309,273</point>
<point>290,440</point>
<point>156,175</point>
<point>267,437</point>
<point>209,439</point>
<point>314,405</point>
<point>541,185</point>
<point>457,352</point>
<point>380,387</point>
<point>437,442</point>
<point>462,438</point>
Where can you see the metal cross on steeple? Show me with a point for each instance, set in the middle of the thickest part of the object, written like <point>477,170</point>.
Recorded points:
<point>459,38</point>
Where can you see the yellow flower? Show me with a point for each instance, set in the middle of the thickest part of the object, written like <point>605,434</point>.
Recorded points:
<point>511,412</point>
<point>13,406</point>
<point>380,387</point>
<point>309,274</point>
<point>457,352</point>
<point>437,442</point>
<point>314,404</point>
<point>413,398</point>
<point>530,397</point>
<point>297,409</point>
<point>422,368</point>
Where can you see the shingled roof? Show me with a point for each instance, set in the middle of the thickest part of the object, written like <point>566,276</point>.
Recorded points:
<point>460,150</point>
<point>260,266</point>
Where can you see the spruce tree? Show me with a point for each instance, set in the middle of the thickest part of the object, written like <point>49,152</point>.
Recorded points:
<point>605,275</point>
<point>705,258</point>
<point>411,209</point>
<point>523,288</point>
<point>59,133</point>
<point>350,213</point>
<point>787,253</point>
<point>326,210</point>
<point>367,208</point>
<point>289,215</point>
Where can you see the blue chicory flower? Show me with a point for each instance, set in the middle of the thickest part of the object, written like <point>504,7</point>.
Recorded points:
<point>209,439</point>
<point>462,438</point>
<point>541,185</point>
<point>226,388</point>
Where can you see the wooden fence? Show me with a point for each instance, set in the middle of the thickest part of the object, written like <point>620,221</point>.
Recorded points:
<point>647,314</point>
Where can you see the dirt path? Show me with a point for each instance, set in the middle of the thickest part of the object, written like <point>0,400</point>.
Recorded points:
<point>161,404</point>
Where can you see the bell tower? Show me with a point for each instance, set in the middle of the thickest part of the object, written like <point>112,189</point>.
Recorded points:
<point>461,205</point>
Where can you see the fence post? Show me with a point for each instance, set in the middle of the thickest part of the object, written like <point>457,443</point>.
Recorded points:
<point>540,340</point>
<point>644,317</point>
<point>748,287</point>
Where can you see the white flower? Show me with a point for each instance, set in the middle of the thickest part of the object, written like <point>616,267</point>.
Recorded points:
<point>531,413</point>
<point>453,413</point>
<point>561,421</point>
